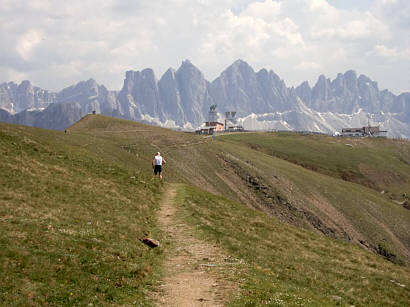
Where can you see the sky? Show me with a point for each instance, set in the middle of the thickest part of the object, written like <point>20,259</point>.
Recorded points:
<point>55,43</point>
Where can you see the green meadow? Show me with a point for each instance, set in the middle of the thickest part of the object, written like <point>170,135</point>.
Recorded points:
<point>307,220</point>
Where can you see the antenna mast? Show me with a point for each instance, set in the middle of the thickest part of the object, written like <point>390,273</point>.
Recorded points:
<point>212,115</point>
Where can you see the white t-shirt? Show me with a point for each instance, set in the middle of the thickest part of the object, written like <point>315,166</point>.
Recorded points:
<point>158,160</point>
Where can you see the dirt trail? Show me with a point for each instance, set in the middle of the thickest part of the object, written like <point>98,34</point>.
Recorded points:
<point>191,266</point>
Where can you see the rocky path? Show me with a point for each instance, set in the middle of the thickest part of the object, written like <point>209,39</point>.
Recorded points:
<point>191,265</point>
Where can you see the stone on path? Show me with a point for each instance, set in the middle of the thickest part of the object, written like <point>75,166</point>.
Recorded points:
<point>150,242</point>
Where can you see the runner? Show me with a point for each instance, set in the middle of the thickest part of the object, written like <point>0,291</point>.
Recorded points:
<point>157,164</point>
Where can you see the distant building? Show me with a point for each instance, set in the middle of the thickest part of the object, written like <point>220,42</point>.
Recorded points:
<point>212,127</point>
<point>231,123</point>
<point>364,132</point>
<point>234,128</point>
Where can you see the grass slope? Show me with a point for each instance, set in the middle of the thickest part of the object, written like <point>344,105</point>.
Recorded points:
<point>333,206</point>
<point>382,164</point>
<point>280,265</point>
<point>70,223</point>
<point>242,167</point>
<point>72,207</point>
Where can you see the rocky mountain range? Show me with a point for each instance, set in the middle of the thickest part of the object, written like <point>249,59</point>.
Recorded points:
<point>181,98</point>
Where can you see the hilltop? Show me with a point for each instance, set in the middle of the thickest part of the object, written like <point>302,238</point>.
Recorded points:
<point>302,217</point>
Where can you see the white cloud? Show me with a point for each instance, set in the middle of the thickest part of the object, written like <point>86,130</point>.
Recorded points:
<point>383,51</point>
<point>264,10</point>
<point>319,5</point>
<point>27,42</point>
<point>56,43</point>
<point>366,27</point>
<point>308,66</point>
<point>390,53</point>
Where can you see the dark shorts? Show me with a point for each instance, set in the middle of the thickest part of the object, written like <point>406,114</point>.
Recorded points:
<point>157,169</point>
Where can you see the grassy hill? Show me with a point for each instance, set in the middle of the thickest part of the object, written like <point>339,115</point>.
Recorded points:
<point>73,206</point>
<point>313,200</point>
<point>378,163</point>
<point>70,223</point>
<point>280,265</point>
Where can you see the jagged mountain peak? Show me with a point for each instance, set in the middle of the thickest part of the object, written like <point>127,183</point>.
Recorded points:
<point>170,72</point>
<point>168,77</point>
<point>133,78</point>
<point>240,66</point>
<point>188,68</point>
<point>25,84</point>
<point>264,72</point>
<point>86,84</point>
<point>240,62</point>
<point>8,84</point>
<point>322,78</point>
<point>347,80</point>
<point>184,95</point>
<point>129,74</point>
<point>148,72</point>
<point>347,75</point>
<point>135,74</point>
<point>365,78</point>
<point>350,74</point>
<point>268,73</point>
<point>81,86</point>
<point>187,62</point>
<point>91,82</point>
<point>304,84</point>
<point>239,74</point>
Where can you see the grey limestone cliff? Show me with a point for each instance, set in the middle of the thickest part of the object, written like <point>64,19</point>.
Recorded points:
<point>239,88</point>
<point>56,116</point>
<point>348,94</point>
<point>193,89</point>
<point>15,98</point>
<point>140,95</point>
<point>171,97</point>
<point>182,97</point>
<point>5,116</point>
<point>90,96</point>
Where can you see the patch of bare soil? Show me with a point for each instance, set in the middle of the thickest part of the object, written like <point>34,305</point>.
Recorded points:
<point>379,179</point>
<point>193,268</point>
<point>335,220</point>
